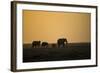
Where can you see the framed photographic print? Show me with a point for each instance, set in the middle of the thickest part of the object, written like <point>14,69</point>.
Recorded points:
<point>48,36</point>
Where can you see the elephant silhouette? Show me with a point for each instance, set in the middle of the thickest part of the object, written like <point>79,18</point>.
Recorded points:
<point>62,42</point>
<point>44,44</point>
<point>36,44</point>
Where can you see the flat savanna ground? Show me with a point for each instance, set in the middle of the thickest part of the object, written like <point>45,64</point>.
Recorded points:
<point>74,51</point>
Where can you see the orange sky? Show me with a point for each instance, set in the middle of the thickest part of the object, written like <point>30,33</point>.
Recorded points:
<point>49,26</point>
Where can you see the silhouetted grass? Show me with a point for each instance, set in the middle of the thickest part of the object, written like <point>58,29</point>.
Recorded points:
<point>74,51</point>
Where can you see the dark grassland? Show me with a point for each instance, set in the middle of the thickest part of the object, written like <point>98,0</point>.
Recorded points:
<point>74,51</point>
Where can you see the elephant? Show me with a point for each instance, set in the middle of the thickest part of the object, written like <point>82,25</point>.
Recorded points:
<point>36,44</point>
<point>62,42</point>
<point>44,44</point>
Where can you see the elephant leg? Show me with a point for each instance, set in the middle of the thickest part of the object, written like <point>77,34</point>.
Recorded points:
<point>61,45</point>
<point>33,45</point>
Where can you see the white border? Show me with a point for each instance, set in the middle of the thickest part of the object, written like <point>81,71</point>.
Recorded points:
<point>34,65</point>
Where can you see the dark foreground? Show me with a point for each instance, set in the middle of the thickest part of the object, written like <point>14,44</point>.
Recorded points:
<point>74,51</point>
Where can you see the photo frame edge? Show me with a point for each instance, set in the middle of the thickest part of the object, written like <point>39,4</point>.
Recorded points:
<point>14,38</point>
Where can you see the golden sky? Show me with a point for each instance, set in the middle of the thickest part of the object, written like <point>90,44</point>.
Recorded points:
<point>49,26</point>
